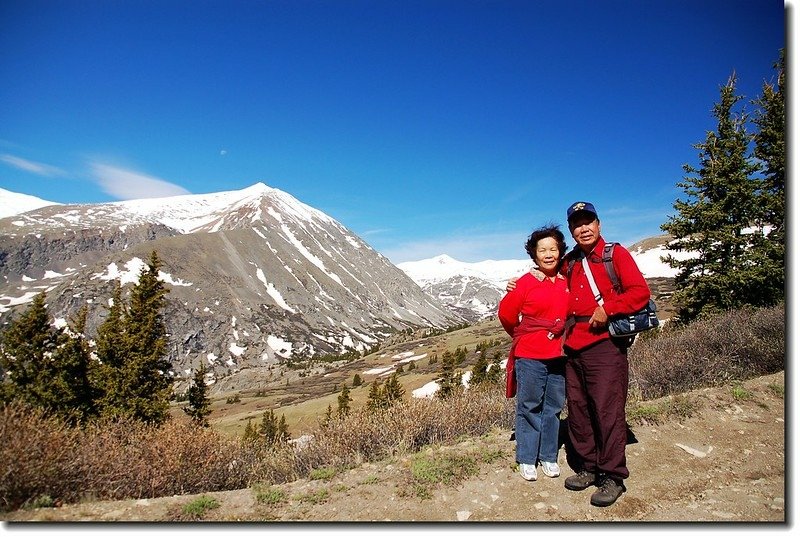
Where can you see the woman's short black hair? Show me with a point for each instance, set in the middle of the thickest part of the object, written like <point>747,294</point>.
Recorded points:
<point>550,230</point>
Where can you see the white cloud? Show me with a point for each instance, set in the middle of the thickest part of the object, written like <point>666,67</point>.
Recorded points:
<point>33,167</point>
<point>126,184</point>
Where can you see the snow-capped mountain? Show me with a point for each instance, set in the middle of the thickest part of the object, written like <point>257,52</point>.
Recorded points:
<point>473,290</point>
<point>12,203</point>
<point>255,277</point>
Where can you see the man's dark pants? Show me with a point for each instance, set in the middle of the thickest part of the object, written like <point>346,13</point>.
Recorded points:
<point>597,389</point>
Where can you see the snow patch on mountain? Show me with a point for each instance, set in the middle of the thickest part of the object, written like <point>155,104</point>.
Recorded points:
<point>13,203</point>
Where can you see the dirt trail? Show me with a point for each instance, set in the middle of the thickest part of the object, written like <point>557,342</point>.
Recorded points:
<point>724,464</point>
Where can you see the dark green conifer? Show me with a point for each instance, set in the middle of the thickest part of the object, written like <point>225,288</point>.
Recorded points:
<point>769,259</point>
<point>375,399</point>
<point>713,219</point>
<point>250,434</point>
<point>393,391</point>
<point>73,390</point>
<point>344,402</point>
<point>199,406</point>
<point>28,346</point>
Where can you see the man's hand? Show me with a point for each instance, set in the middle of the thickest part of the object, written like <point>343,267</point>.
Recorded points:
<point>512,284</point>
<point>599,318</point>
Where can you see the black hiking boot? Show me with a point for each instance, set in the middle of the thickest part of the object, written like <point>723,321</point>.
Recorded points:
<point>608,492</point>
<point>580,481</point>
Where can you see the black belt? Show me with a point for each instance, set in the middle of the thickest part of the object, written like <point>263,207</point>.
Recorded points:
<point>581,318</point>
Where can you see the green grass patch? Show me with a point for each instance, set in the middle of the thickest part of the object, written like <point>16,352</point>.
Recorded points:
<point>200,506</point>
<point>268,494</point>
<point>316,497</point>
<point>740,393</point>
<point>678,407</point>
<point>428,471</point>
<point>322,473</point>
<point>40,501</point>
<point>777,389</point>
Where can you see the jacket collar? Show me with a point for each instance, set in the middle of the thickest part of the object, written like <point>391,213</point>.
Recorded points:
<point>539,275</point>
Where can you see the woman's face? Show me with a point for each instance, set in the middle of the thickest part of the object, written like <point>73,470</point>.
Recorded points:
<point>547,255</point>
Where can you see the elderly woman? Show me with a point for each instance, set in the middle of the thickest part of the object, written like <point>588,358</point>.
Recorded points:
<point>533,314</point>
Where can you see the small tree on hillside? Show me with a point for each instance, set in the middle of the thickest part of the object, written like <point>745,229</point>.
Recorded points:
<point>344,402</point>
<point>199,406</point>
<point>272,430</point>
<point>250,434</point>
<point>713,219</point>
<point>392,390</point>
<point>479,372</point>
<point>376,399</point>
<point>450,381</point>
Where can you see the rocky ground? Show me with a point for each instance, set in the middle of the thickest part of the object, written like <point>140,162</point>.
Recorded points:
<point>725,464</point>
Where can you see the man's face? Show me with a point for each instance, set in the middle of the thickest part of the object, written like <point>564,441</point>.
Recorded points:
<point>585,229</point>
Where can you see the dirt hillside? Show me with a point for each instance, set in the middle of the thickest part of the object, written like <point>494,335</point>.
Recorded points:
<point>726,463</point>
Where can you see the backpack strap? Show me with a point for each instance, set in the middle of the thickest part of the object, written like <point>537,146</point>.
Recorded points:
<point>572,256</point>
<point>608,251</point>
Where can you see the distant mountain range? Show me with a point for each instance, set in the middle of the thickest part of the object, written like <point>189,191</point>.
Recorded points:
<point>474,290</point>
<point>256,278</point>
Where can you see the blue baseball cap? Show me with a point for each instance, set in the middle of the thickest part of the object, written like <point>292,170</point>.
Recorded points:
<point>581,206</point>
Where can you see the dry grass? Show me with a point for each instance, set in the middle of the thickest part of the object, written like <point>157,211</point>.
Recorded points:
<point>736,345</point>
<point>117,460</point>
<point>45,462</point>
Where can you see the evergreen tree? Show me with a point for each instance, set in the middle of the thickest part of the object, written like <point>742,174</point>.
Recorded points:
<point>375,399</point>
<point>283,431</point>
<point>148,379</point>
<point>132,345</point>
<point>72,382</point>
<point>479,375</point>
<point>344,402</point>
<point>392,390</point>
<point>268,429</point>
<point>28,346</point>
<point>770,149</point>
<point>450,381</point>
<point>199,406</point>
<point>111,348</point>
<point>495,372</point>
<point>357,381</point>
<point>250,434</point>
<point>713,220</point>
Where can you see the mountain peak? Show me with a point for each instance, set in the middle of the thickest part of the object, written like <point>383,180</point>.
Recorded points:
<point>444,259</point>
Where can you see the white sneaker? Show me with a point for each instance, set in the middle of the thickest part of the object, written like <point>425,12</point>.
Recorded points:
<point>528,471</point>
<point>551,469</point>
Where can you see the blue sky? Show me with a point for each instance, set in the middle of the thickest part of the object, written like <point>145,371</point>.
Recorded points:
<point>426,127</point>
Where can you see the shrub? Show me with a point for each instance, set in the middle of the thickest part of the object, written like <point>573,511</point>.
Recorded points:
<point>734,345</point>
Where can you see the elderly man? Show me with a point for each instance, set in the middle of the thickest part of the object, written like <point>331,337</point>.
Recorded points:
<point>597,364</point>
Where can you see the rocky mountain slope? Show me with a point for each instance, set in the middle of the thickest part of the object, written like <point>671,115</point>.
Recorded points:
<point>255,277</point>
